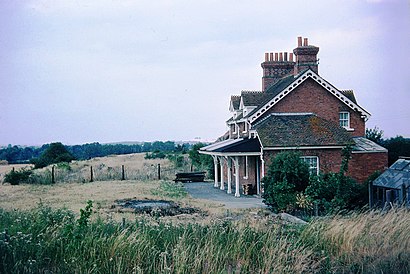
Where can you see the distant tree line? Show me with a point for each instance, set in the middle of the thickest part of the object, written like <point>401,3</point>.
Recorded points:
<point>397,146</point>
<point>19,154</point>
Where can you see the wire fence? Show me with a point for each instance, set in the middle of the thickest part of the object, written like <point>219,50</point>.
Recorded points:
<point>103,172</point>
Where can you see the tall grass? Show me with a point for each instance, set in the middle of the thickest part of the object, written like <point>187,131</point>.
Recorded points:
<point>53,242</point>
<point>47,240</point>
<point>371,242</point>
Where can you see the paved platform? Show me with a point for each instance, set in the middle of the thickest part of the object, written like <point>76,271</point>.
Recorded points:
<point>207,191</point>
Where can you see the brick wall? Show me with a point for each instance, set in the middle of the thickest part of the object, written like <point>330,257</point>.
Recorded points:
<point>362,165</point>
<point>311,97</point>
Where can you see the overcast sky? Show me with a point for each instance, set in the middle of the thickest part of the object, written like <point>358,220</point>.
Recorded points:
<point>79,71</point>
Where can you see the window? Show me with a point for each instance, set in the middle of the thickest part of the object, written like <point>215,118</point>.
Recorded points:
<point>344,119</point>
<point>313,164</point>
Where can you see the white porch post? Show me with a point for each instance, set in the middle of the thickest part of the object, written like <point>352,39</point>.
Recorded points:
<point>222,173</point>
<point>237,177</point>
<point>258,177</point>
<point>229,175</point>
<point>216,170</point>
<point>263,167</point>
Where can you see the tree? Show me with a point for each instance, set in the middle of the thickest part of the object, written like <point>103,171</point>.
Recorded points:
<point>287,176</point>
<point>201,161</point>
<point>55,153</point>
<point>375,135</point>
<point>397,146</point>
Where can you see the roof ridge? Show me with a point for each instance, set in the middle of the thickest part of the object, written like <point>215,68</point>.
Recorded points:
<point>251,91</point>
<point>285,114</point>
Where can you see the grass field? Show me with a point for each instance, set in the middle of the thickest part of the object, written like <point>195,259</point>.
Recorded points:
<point>49,229</point>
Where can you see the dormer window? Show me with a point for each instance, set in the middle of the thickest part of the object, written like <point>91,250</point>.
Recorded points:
<point>344,119</point>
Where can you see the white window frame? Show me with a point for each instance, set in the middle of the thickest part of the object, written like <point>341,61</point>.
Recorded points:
<point>313,170</point>
<point>344,121</point>
<point>234,129</point>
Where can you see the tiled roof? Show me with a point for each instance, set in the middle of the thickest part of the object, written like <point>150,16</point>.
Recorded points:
<point>253,98</point>
<point>281,84</point>
<point>298,130</point>
<point>350,95</point>
<point>235,99</point>
<point>273,91</point>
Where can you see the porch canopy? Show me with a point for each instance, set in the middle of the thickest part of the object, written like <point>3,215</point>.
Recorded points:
<point>227,153</point>
<point>234,147</point>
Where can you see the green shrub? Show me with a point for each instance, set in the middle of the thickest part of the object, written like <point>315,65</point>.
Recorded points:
<point>287,176</point>
<point>18,177</point>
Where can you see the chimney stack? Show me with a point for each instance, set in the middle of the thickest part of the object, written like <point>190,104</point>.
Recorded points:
<point>306,56</point>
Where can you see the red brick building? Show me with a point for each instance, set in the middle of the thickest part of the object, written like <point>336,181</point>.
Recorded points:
<point>299,110</point>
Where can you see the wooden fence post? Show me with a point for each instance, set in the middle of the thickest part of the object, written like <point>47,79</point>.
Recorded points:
<point>123,173</point>
<point>159,172</point>
<point>91,174</point>
<point>53,180</point>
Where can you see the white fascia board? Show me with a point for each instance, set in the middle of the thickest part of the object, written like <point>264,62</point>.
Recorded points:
<point>222,144</point>
<point>298,81</point>
<point>215,144</point>
<point>302,148</point>
<point>369,151</point>
<point>230,154</point>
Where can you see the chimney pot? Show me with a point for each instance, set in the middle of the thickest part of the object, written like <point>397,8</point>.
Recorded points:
<point>276,56</point>
<point>285,56</point>
<point>281,57</point>
<point>305,42</point>
<point>266,56</point>
<point>290,57</point>
<point>299,41</point>
<point>271,57</point>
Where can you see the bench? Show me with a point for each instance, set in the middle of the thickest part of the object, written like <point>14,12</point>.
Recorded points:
<point>190,176</point>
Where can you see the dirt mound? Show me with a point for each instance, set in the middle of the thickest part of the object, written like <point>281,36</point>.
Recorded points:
<point>154,207</point>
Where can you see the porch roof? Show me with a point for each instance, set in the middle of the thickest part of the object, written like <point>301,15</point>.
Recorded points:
<point>234,146</point>
<point>394,177</point>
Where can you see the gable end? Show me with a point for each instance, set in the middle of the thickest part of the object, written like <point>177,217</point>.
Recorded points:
<point>298,81</point>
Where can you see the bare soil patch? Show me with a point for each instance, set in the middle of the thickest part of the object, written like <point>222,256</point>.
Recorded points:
<point>153,207</point>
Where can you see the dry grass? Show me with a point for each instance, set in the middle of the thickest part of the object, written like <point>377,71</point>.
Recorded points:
<point>366,242</point>
<point>73,189</point>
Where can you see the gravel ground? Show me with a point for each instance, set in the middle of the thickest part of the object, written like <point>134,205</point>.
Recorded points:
<point>207,191</point>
